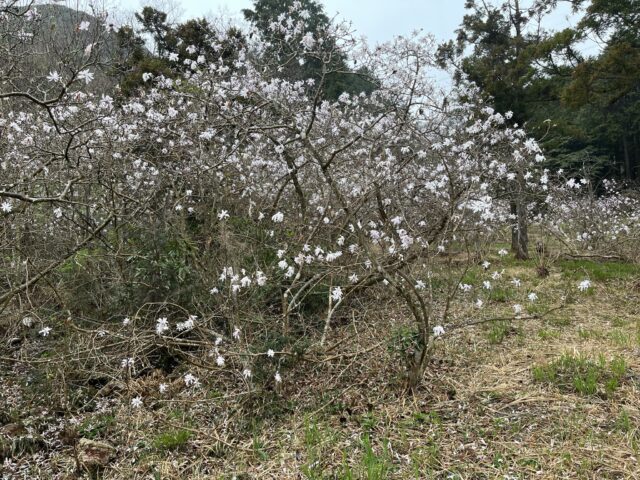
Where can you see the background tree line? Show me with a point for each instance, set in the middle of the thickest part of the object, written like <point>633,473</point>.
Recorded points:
<point>584,109</point>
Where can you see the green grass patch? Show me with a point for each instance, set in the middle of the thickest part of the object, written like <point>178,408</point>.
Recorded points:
<point>498,332</point>
<point>96,427</point>
<point>545,334</point>
<point>173,440</point>
<point>598,271</point>
<point>579,374</point>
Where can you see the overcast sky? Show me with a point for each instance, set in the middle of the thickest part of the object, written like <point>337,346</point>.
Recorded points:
<point>378,20</point>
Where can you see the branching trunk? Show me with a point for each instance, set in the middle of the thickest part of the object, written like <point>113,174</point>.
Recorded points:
<point>519,230</point>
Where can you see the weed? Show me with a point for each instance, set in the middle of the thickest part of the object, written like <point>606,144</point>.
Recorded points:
<point>605,271</point>
<point>173,440</point>
<point>375,467</point>
<point>581,375</point>
<point>498,332</point>
<point>623,422</point>
<point>96,427</point>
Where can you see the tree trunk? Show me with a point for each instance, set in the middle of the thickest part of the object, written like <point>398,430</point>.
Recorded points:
<point>628,170</point>
<point>519,230</point>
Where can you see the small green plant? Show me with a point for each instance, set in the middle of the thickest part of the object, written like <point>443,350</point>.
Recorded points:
<point>173,440</point>
<point>620,338</point>
<point>623,422</point>
<point>545,334</point>
<point>258,448</point>
<point>96,427</point>
<point>498,332</point>
<point>502,295</point>
<point>576,373</point>
<point>375,467</point>
<point>314,439</point>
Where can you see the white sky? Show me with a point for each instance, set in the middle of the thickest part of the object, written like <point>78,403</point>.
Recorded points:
<point>378,20</point>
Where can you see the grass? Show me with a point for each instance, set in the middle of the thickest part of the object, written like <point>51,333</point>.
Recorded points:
<point>558,398</point>
<point>579,374</point>
<point>96,427</point>
<point>172,440</point>
<point>598,271</point>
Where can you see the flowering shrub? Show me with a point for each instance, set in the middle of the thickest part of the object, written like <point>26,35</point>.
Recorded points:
<point>594,223</point>
<point>220,218</point>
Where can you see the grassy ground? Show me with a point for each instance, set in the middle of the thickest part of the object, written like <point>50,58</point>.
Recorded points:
<point>557,397</point>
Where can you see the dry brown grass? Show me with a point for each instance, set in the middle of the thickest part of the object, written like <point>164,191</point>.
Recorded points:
<point>479,414</point>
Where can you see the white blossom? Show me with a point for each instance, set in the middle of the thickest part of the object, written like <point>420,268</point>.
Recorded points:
<point>584,285</point>
<point>336,294</point>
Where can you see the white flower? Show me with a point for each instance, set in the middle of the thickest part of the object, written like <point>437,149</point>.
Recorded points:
<point>162,325</point>
<point>308,41</point>
<point>127,362</point>
<point>57,212</point>
<point>277,217</point>
<point>213,291</point>
<point>6,206</point>
<point>85,75</point>
<point>27,321</point>
<point>246,373</point>
<point>486,265</point>
<point>584,285</point>
<point>517,309</point>
<point>223,215</point>
<point>173,57</point>
<point>336,294</point>
<point>54,76</point>
<point>187,324</point>
<point>438,331</point>
<point>278,377</point>
<point>465,287</point>
<point>486,285</point>
<point>353,278</point>
<point>261,278</point>
<point>45,331</point>
<point>270,353</point>
<point>136,402</point>
<point>420,285</point>
<point>516,282</point>
<point>236,333</point>
<point>479,303</point>
<point>441,248</point>
<point>220,361</point>
<point>84,25</point>
<point>191,381</point>
<point>532,297</point>
<point>163,387</point>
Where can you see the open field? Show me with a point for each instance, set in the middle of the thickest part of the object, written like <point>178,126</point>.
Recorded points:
<point>555,397</point>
